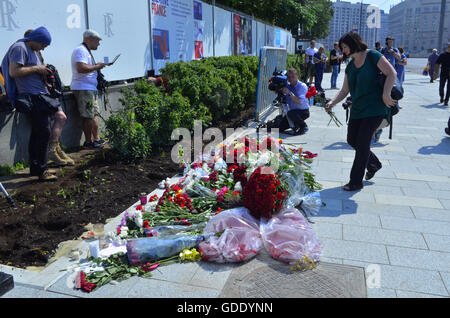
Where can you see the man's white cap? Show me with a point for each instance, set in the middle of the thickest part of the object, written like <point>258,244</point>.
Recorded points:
<point>91,34</point>
<point>434,50</point>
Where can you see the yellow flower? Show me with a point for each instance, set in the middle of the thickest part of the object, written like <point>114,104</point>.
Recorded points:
<point>190,255</point>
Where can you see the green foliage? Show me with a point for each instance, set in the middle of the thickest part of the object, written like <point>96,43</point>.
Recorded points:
<point>208,90</point>
<point>127,136</point>
<point>7,170</point>
<point>218,86</point>
<point>313,15</point>
<point>297,62</point>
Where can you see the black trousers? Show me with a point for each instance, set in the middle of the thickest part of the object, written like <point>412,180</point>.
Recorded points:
<point>359,135</point>
<point>444,79</point>
<point>40,117</point>
<point>298,117</point>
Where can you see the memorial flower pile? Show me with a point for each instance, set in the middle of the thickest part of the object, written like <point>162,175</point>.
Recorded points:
<point>264,176</point>
<point>212,185</point>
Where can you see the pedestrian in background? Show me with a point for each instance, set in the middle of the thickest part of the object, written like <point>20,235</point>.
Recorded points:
<point>431,62</point>
<point>335,61</point>
<point>370,103</point>
<point>400,66</point>
<point>320,62</point>
<point>378,46</point>
<point>25,75</point>
<point>55,153</point>
<point>84,86</point>
<point>309,61</point>
<point>443,61</point>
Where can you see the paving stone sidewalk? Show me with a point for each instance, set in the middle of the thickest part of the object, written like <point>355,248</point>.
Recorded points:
<point>397,227</point>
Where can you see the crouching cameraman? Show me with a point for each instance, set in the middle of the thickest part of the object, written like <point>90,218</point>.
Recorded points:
<point>298,107</point>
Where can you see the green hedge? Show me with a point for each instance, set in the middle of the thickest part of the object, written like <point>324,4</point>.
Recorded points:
<point>210,90</point>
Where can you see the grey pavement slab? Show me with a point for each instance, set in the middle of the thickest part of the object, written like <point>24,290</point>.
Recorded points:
<point>381,293</point>
<point>381,236</point>
<point>153,288</point>
<point>427,193</point>
<point>377,209</point>
<point>445,203</point>
<point>446,278</point>
<point>422,177</point>
<point>212,275</point>
<point>327,230</point>
<point>408,294</point>
<point>359,251</point>
<point>333,216</point>
<point>408,201</point>
<point>397,277</point>
<point>437,242</point>
<point>441,215</point>
<point>415,225</point>
<point>422,259</point>
<point>21,291</point>
<point>439,185</point>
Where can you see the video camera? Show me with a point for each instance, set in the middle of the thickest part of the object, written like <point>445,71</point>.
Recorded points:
<point>276,84</point>
<point>348,103</point>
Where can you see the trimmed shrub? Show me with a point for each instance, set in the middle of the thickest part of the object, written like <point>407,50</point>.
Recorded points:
<point>210,90</point>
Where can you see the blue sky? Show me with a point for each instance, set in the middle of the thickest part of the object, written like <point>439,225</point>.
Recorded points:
<point>383,4</point>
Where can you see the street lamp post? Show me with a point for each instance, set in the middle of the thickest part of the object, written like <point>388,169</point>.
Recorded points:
<point>360,19</point>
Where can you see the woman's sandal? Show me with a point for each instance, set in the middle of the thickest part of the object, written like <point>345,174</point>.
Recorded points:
<point>369,175</point>
<point>352,187</point>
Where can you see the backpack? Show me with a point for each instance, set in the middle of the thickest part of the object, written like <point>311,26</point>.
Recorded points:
<point>54,81</point>
<point>5,105</point>
<point>396,95</point>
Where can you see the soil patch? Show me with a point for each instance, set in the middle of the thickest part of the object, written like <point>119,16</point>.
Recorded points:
<point>98,187</point>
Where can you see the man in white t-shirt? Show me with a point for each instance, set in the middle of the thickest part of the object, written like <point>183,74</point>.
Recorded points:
<point>310,61</point>
<point>84,87</point>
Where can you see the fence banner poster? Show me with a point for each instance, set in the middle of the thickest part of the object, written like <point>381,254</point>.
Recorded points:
<point>270,36</point>
<point>64,19</point>
<point>242,35</point>
<point>172,31</point>
<point>199,30</point>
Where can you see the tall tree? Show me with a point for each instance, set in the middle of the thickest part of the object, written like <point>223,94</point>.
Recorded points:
<point>314,16</point>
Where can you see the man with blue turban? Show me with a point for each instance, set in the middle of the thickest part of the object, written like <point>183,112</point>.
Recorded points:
<point>25,74</point>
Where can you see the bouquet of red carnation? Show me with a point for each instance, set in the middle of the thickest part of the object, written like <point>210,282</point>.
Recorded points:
<point>173,196</point>
<point>264,193</point>
<point>239,173</point>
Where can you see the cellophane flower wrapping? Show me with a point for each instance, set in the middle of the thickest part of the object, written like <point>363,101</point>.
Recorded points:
<point>146,249</point>
<point>174,230</point>
<point>240,240</point>
<point>288,237</point>
<point>291,173</point>
<point>311,203</point>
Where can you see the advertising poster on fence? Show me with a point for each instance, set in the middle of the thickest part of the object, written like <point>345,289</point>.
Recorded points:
<point>199,27</point>
<point>173,31</point>
<point>242,35</point>
<point>123,27</point>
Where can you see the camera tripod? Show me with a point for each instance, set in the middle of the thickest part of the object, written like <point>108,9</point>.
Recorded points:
<point>10,200</point>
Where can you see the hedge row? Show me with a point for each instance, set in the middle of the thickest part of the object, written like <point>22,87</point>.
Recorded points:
<point>209,90</point>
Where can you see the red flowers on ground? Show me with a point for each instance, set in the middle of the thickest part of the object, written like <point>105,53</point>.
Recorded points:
<point>84,284</point>
<point>309,155</point>
<point>239,175</point>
